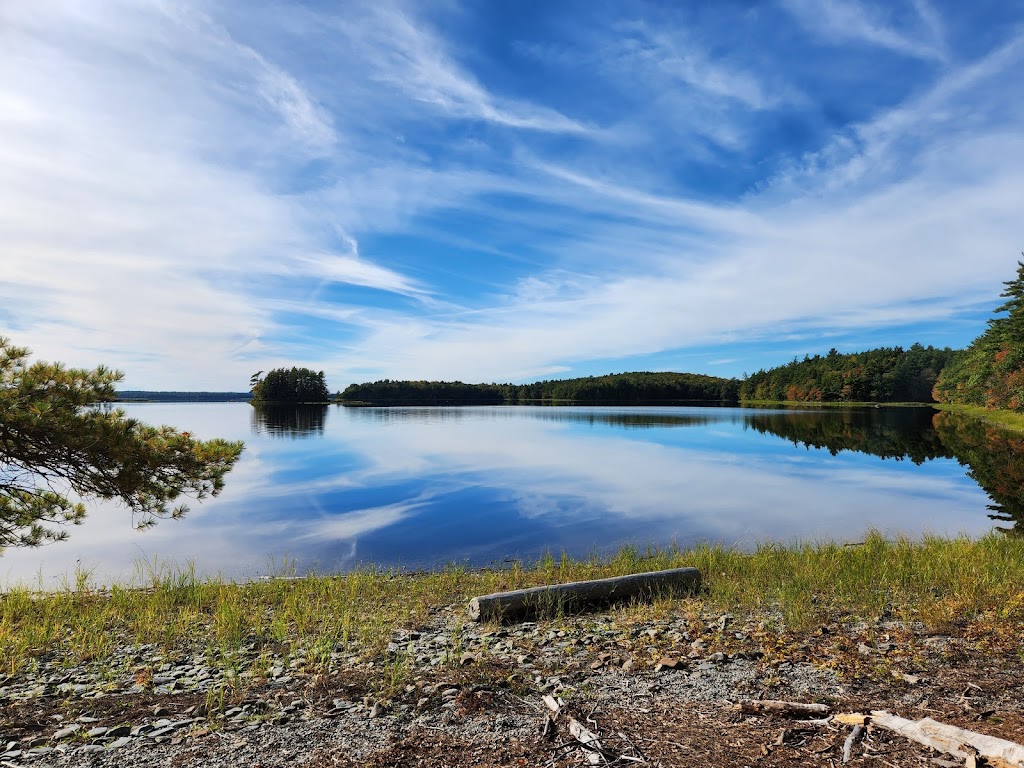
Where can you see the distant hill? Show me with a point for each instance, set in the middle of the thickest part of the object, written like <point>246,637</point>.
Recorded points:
<point>145,396</point>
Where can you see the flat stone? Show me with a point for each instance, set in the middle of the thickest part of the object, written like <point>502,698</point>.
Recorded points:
<point>69,730</point>
<point>123,741</point>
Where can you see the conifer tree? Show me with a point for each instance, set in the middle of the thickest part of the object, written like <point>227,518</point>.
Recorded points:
<point>59,448</point>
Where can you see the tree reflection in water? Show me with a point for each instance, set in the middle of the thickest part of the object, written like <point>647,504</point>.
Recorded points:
<point>994,456</point>
<point>891,433</point>
<point>293,421</point>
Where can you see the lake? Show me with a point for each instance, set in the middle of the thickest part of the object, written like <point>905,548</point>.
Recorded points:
<point>333,488</point>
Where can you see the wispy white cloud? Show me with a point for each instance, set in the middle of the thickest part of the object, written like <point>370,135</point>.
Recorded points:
<point>406,55</point>
<point>136,214</point>
<point>682,59</point>
<point>190,192</point>
<point>768,272</point>
<point>957,104</point>
<point>679,85</point>
<point>853,21</point>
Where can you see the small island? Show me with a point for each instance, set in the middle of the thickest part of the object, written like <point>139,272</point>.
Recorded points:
<point>296,386</point>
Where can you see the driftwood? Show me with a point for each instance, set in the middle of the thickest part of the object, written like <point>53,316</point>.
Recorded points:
<point>787,708</point>
<point>580,594</point>
<point>967,745</point>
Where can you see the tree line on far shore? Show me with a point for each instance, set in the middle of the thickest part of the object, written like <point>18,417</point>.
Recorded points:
<point>614,389</point>
<point>884,375</point>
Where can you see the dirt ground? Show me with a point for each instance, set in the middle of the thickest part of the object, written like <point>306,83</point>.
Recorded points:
<point>672,704</point>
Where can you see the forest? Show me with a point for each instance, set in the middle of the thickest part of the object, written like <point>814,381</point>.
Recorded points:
<point>614,389</point>
<point>885,375</point>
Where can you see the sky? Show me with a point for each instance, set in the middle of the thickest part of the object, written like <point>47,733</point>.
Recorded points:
<point>192,192</point>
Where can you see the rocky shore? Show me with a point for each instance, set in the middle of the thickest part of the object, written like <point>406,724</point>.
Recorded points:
<point>658,689</point>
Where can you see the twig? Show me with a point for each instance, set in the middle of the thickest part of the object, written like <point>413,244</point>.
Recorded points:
<point>848,744</point>
<point>629,741</point>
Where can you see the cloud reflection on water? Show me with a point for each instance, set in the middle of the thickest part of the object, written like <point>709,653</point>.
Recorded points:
<point>420,487</point>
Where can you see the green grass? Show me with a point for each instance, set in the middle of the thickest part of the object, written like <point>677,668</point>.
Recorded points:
<point>1007,419</point>
<point>937,582</point>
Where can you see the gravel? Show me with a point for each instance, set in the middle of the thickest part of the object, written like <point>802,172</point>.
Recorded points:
<point>476,685</point>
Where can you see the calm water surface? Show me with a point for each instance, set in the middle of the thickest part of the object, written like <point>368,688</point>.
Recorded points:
<point>332,488</point>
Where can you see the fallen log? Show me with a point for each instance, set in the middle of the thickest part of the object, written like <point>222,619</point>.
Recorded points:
<point>574,596</point>
<point>959,742</point>
<point>787,708</point>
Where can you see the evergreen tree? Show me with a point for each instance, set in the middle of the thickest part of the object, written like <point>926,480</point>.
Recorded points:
<point>1009,329</point>
<point>58,448</point>
<point>991,371</point>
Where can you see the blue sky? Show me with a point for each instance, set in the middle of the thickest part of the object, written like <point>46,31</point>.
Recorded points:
<point>502,191</point>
